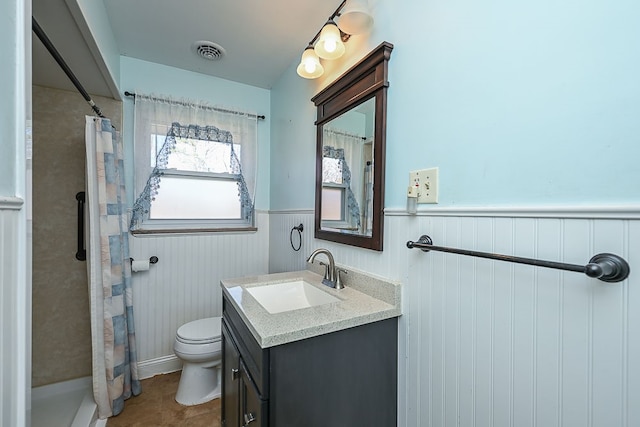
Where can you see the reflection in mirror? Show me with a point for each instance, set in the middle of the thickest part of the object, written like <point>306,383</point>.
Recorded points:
<point>347,171</point>
<point>351,126</point>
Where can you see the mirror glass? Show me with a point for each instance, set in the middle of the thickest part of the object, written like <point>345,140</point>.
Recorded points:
<point>350,153</point>
<point>347,171</point>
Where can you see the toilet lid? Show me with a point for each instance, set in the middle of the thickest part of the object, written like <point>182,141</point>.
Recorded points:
<point>207,330</point>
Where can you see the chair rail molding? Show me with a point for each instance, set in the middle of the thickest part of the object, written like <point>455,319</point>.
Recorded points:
<point>627,211</point>
<point>11,203</point>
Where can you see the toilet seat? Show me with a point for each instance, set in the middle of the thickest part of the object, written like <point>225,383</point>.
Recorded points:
<point>202,331</point>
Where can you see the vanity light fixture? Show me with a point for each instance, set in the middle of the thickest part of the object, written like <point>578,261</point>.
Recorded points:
<point>353,18</point>
<point>310,66</point>
<point>330,45</point>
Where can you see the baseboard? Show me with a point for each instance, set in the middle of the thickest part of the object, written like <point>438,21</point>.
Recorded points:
<point>158,366</point>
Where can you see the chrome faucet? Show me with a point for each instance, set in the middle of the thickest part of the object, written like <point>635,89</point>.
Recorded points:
<point>331,273</point>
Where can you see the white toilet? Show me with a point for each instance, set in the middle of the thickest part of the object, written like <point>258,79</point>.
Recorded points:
<point>198,345</point>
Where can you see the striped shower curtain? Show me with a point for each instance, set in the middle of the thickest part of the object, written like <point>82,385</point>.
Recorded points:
<point>114,360</point>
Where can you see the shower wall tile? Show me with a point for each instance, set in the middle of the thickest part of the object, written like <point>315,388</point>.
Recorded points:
<point>61,326</point>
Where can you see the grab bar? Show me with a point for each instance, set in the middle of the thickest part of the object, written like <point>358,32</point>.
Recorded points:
<point>606,267</point>
<point>81,255</point>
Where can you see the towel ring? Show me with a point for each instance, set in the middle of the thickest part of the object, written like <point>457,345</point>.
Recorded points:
<point>299,229</point>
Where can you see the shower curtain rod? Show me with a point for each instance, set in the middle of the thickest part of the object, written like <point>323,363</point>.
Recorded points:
<point>155,98</point>
<point>56,55</point>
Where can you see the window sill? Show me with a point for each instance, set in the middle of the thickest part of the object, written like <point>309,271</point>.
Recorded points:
<point>153,231</point>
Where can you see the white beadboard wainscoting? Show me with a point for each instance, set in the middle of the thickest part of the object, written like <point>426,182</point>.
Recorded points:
<point>185,284</point>
<point>15,314</point>
<point>492,343</point>
<point>284,257</point>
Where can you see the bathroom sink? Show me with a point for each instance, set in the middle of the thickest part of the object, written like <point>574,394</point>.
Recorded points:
<point>286,296</point>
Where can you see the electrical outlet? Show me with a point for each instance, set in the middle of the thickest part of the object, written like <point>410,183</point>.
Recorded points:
<point>414,185</point>
<point>427,180</point>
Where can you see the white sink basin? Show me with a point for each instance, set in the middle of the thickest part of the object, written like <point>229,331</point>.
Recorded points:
<point>288,296</point>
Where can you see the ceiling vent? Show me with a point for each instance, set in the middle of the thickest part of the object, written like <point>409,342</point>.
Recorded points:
<point>209,50</point>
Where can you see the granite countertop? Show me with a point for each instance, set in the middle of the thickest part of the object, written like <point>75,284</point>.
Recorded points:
<point>365,299</point>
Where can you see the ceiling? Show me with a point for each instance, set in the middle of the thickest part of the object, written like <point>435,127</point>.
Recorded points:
<point>261,38</point>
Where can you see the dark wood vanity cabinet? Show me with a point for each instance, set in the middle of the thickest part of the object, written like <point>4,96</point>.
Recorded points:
<point>230,380</point>
<point>345,378</point>
<point>242,403</point>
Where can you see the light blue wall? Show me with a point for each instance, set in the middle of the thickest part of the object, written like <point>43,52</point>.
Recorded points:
<point>527,103</point>
<point>9,92</point>
<point>292,143</point>
<point>150,78</point>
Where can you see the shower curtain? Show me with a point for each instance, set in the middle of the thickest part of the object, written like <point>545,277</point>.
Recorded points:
<point>114,360</point>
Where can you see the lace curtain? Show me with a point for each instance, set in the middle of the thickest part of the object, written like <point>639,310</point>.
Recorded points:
<point>367,210</point>
<point>177,118</point>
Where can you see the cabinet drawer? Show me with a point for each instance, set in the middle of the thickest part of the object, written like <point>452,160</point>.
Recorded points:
<point>255,358</point>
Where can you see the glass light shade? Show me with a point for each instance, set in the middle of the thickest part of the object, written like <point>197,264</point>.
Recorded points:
<point>310,67</point>
<point>329,45</point>
<point>355,18</point>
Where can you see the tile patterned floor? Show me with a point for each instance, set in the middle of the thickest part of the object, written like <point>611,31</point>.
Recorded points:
<point>156,407</point>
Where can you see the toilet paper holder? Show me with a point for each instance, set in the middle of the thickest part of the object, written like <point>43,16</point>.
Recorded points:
<point>152,260</point>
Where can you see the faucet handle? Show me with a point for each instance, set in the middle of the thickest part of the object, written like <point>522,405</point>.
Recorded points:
<point>339,284</point>
<point>326,270</point>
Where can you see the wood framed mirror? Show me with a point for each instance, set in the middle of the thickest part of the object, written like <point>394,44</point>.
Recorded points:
<point>350,153</point>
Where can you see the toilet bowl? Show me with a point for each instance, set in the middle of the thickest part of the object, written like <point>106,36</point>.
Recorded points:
<point>198,345</point>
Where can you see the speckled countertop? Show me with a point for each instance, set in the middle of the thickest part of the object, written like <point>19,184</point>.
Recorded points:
<point>365,299</point>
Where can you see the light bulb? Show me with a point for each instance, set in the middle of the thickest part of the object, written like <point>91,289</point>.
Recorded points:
<point>309,67</point>
<point>330,46</point>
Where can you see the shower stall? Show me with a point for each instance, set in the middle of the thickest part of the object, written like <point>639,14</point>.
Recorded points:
<point>61,374</point>
<point>61,347</point>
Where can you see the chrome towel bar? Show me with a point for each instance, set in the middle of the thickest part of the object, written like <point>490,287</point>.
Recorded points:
<point>606,267</point>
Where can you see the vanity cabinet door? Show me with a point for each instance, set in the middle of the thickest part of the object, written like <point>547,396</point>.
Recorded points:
<point>253,410</point>
<point>230,381</point>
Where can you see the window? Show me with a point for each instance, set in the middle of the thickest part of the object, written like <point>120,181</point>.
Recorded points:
<point>196,182</point>
<point>333,204</point>
<point>335,193</point>
<point>195,168</point>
